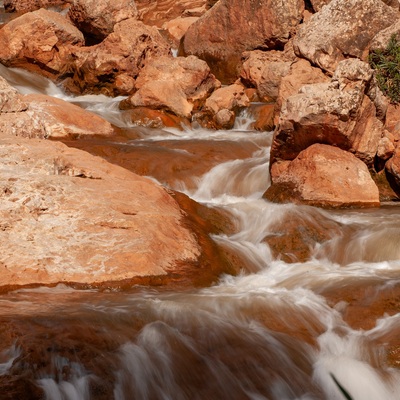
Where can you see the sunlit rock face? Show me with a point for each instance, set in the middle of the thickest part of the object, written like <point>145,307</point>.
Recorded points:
<point>39,41</point>
<point>112,66</point>
<point>232,27</point>
<point>325,176</point>
<point>96,18</point>
<point>336,112</point>
<point>342,29</point>
<point>31,5</point>
<point>180,85</point>
<point>157,12</point>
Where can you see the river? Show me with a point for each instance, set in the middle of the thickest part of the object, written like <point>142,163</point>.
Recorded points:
<point>281,329</point>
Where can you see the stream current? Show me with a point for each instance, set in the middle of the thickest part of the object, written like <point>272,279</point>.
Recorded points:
<point>278,330</point>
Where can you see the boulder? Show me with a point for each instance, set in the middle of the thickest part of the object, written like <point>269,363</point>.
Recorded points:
<point>343,28</point>
<point>96,18</point>
<point>231,27</point>
<point>39,41</point>
<point>323,176</point>
<point>157,12</point>
<point>67,216</point>
<point>318,4</point>
<point>180,85</point>
<point>47,117</point>
<point>176,28</point>
<point>336,113</point>
<point>31,5</point>
<point>220,109</point>
<point>112,66</point>
<point>10,100</point>
<point>294,236</point>
<point>382,38</point>
<point>41,116</point>
<point>264,71</point>
<point>392,169</point>
<point>300,73</point>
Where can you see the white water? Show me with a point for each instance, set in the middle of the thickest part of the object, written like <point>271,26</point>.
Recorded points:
<point>268,333</point>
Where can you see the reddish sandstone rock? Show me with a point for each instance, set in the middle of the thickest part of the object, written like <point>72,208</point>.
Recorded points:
<point>42,116</point>
<point>31,5</point>
<point>96,18</point>
<point>392,168</point>
<point>295,236</point>
<point>39,41</point>
<point>67,216</point>
<point>220,109</point>
<point>324,176</point>
<point>177,27</point>
<point>180,85</point>
<point>112,66</point>
<point>61,119</point>
<point>264,115</point>
<point>300,73</point>
<point>318,4</point>
<point>10,100</point>
<point>382,38</point>
<point>342,29</point>
<point>233,26</point>
<point>264,71</point>
<point>336,113</point>
<point>157,12</point>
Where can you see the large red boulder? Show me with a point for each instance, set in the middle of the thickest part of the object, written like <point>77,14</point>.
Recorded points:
<point>337,113</point>
<point>343,28</point>
<point>264,71</point>
<point>96,18</point>
<point>157,12</point>
<point>112,66</point>
<point>180,85</point>
<point>39,41</point>
<point>31,5</point>
<point>323,176</point>
<point>233,26</point>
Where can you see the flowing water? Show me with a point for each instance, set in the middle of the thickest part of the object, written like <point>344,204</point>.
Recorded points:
<point>284,328</point>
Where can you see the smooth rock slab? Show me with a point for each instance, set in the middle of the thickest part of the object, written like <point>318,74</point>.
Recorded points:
<point>67,216</point>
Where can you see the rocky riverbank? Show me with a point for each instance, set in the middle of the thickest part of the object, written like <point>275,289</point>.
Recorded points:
<point>335,141</point>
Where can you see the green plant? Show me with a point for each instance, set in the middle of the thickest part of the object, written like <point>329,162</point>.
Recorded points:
<point>386,63</point>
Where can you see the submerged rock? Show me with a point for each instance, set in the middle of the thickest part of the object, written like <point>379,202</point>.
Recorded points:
<point>323,176</point>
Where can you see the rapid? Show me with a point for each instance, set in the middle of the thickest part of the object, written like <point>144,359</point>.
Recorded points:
<point>281,329</point>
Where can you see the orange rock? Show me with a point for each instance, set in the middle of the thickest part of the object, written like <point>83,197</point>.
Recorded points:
<point>39,41</point>
<point>96,18</point>
<point>336,113</point>
<point>264,70</point>
<point>231,27</point>
<point>31,5</point>
<point>342,29</point>
<point>324,176</point>
<point>67,216</point>
<point>157,12</point>
<point>180,85</point>
<point>112,66</point>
